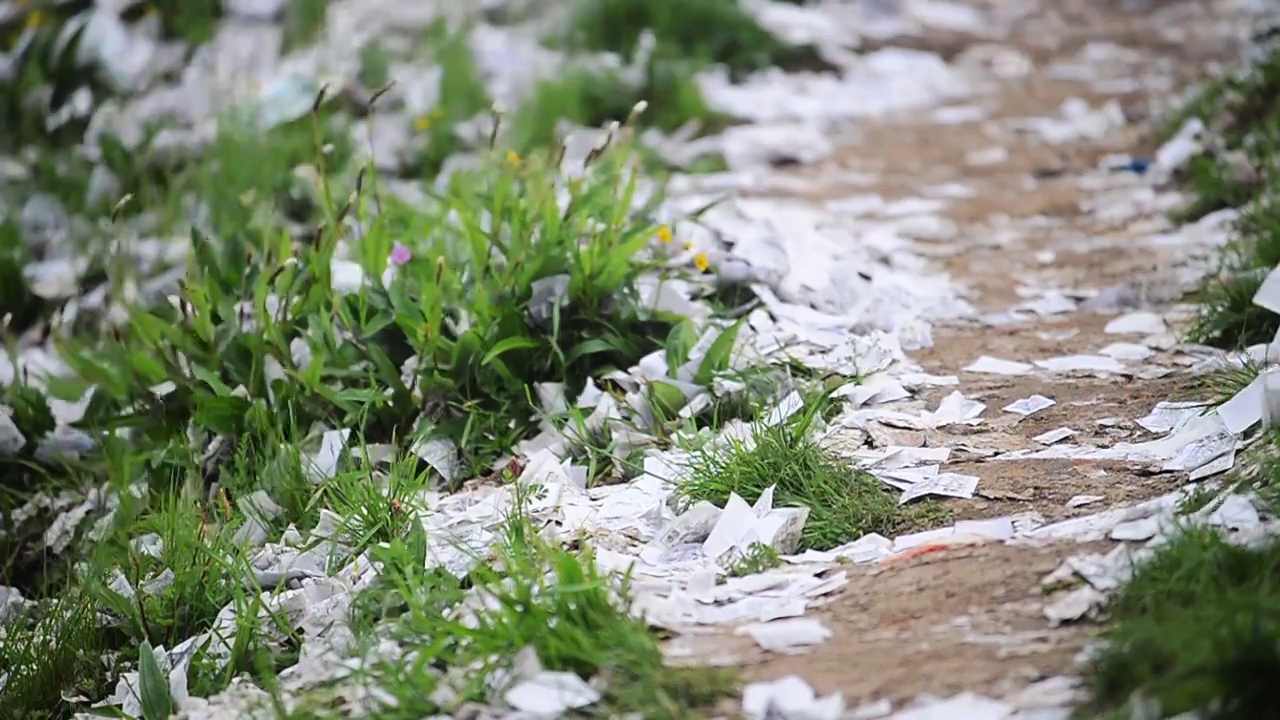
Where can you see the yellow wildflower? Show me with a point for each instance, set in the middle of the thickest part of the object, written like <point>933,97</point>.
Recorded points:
<point>422,123</point>
<point>702,262</point>
<point>664,234</point>
<point>514,158</point>
<point>35,19</point>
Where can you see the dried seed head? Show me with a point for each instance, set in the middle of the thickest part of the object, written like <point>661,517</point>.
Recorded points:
<point>120,205</point>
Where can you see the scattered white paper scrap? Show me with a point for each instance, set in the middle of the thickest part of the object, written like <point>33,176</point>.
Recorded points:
<point>1090,363</point>
<point>1244,409</point>
<point>1270,399</point>
<point>948,484</point>
<point>789,697</point>
<point>1082,500</point>
<point>965,706</point>
<point>1053,436</point>
<point>1268,295</point>
<point>1029,406</point>
<point>1165,416</point>
<point>1127,352</point>
<point>785,634</point>
<point>1136,323</point>
<point>1074,605</point>
<point>995,366</point>
<point>1199,453</point>
<point>956,409</point>
<point>1216,466</point>
<point>550,694</point>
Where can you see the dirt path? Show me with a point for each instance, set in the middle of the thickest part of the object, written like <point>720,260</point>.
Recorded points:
<point>1040,223</point>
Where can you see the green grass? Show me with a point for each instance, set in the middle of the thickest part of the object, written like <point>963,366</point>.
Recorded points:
<point>1197,628</point>
<point>531,586</point>
<point>844,503</point>
<point>207,398</point>
<point>593,98</point>
<point>1198,624</point>
<point>706,31</point>
<point>1242,113</point>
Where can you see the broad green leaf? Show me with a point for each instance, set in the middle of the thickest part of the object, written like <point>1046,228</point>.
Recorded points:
<point>211,379</point>
<point>518,342</point>
<point>153,686</point>
<point>222,414</point>
<point>590,347</point>
<point>680,341</point>
<point>417,545</point>
<point>667,399</point>
<point>717,358</point>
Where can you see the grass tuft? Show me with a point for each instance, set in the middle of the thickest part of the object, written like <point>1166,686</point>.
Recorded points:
<point>1157,645</point>
<point>844,503</point>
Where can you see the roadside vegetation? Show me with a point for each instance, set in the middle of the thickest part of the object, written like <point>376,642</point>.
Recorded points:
<point>268,348</point>
<point>1198,626</point>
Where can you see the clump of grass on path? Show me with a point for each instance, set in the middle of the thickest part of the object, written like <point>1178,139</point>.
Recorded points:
<point>708,31</point>
<point>844,503</point>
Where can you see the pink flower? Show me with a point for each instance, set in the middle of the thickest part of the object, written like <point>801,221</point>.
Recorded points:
<point>400,255</point>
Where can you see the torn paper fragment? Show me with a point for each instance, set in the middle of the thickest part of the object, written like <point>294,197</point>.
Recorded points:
<point>995,366</point>
<point>1166,416</point>
<point>1136,323</point>
<point>324,464</point>
<point>965,706</point>
<point>1029,406</point>
<point>946,484</point>
<point>1245,408</point>
<point>789,697</point>
<point>1268,295</point>
<point>1270,399</point>
<point>1127,352</point>
<point>1200,452</point>
<point>1082,500</point>
<point>1053,436</point>
<point>1236,512</point>
<point>786,634</point>
<point>551,694</point>
<point>1217,466</point>
<point>1086,363</point>
<point>956,409</point>
<point>1079,603</point>
<point>868,548</point>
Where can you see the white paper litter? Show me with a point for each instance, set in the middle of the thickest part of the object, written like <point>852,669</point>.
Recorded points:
<point>1029,406</point>
<point>1136,323</point>
<point>1268,294</point>
<point>786,634</point>
<point>945,484</point>
<point>1245,408</point>
<point>965,706</point>
<point>995,366</point>
<point>789,697</point>
<point>1082,500</point>
<point>1165,416</point>
<point>550,694</point>
<point>1072,363</point>
<point>1053,436</point>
